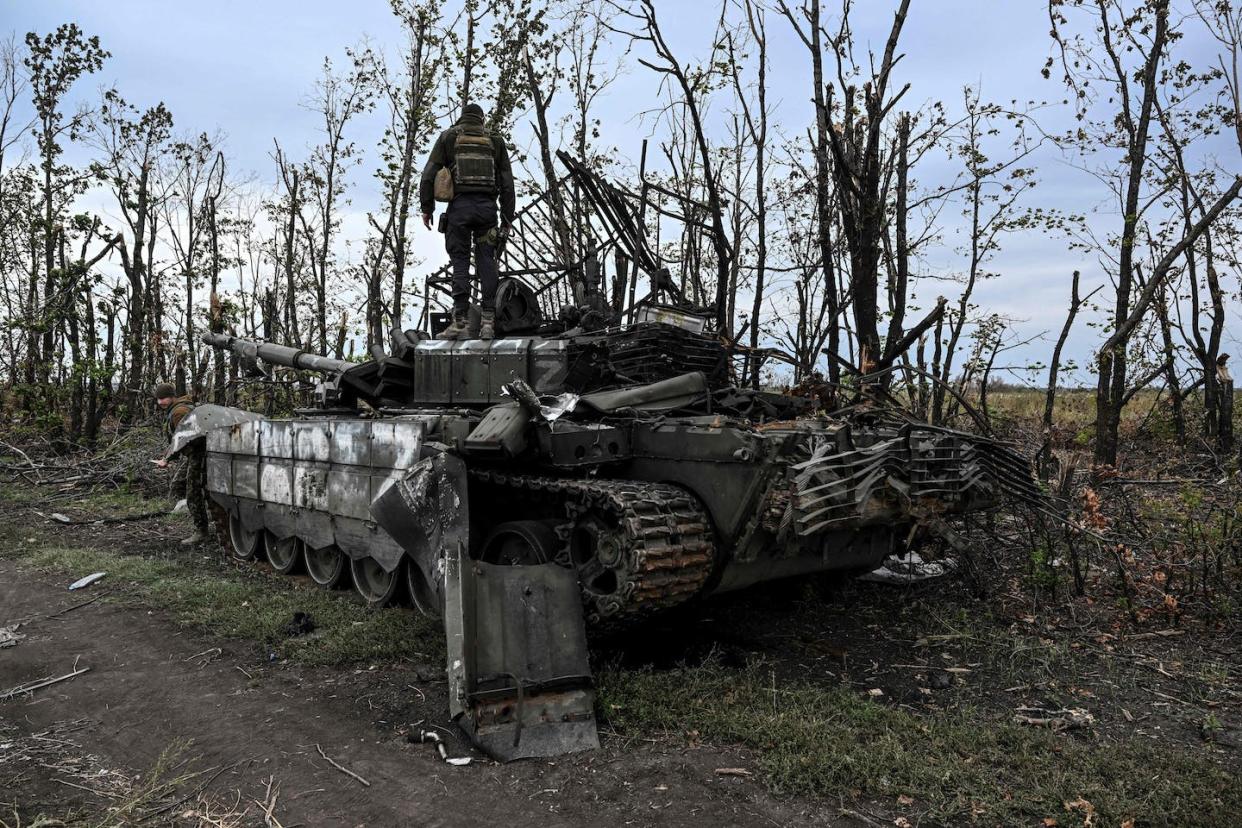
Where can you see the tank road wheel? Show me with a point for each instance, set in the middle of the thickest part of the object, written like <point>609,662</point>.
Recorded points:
<point>377,587</point>
<point>284,554</point>
<point>325,566</point>
<point>420,592</point>
<point>521,543</point>
<point>244,543</point>
<point>597,550</point>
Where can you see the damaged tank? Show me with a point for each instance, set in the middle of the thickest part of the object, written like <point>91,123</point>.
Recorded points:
<point>568,476</point>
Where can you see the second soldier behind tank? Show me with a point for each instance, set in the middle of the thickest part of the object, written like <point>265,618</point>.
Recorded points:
<point>480,172</point>
<point>192,474</point>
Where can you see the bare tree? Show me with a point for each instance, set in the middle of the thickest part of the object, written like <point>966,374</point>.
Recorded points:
<point>192,161</point>
<point>756,120</point>
<point>409,98</point>
<point>287,212</point>
<point>1127,53</point>
<point>810,32</point>
<point>337,100</point>
<point>54,63</point>
<point>857,162</point>
<point>993,189</point>
<point>131,141</point>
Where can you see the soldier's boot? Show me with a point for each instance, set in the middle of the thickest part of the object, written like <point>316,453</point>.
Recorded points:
<point>195,539</point>
<point>487,325</point>
<point>459,327</point>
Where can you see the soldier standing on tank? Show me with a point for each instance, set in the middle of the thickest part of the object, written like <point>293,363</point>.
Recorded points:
<point>193,472</point>
<point>479,166</point>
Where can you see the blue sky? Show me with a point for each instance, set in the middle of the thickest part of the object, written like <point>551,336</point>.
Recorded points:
<point>245,67</point>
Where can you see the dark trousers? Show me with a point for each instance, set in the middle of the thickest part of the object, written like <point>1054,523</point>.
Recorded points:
<point>468,220</point>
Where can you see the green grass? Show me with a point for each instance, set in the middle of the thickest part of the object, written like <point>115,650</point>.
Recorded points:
<point>833,743</point>
<point>822,742</point>
<point>236,605</point>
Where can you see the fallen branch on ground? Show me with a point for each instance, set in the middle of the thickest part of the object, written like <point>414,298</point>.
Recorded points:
<point>1057,720</point>
<point>341,768</point>
<point>30,687</point>
<point>68,610</point>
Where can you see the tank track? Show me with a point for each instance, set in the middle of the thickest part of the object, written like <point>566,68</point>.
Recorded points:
<point>663,538</point>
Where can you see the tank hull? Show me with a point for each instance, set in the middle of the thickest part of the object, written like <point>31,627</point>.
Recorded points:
<point>760,504</point>
<point>526,490</point>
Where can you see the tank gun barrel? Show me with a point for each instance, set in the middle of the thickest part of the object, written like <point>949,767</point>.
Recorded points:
<point>277,354</point>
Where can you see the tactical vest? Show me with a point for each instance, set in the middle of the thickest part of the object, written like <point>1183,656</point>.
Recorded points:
<point>474,161</point>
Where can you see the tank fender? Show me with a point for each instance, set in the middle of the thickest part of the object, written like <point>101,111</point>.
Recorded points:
<point>204,418</point>
<point>427,514</point>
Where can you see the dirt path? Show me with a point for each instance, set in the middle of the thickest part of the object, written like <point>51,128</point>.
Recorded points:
<point>145,691</point>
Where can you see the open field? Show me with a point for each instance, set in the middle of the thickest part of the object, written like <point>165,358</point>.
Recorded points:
<point>822,702</point>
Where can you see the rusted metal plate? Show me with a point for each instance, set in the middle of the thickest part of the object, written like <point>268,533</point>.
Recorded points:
<point>312,441</point>
<point>238,438</point>
<point>276,481</point>
<point>310,486</point>
<point>276,437</point>
<point>527,680</point>
<point>219,473</point>
<point>395,444</point>
<point>349,492</point>
<point>350,443</point>
<point>203,420</point>
<point>246,477</point>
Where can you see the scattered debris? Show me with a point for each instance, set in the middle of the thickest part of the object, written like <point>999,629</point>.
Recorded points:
<point>341,768</point>
<point>1057,720</point>
<point>1086,808</point>
<point>424,736</point>
<point>1155,634</point>
<point>95,521</point>
<point>82,583</point>
<point>68,610</point>
<point>206,656</point>
<point>268,805</point>
<point>733,772</point>
<point>939,679</point>
<point>9,636</point>
<point>179,508</point>
<point>60,750</point>
<point>909,569</point>
<point>38,684</point>
<point>301,624</point>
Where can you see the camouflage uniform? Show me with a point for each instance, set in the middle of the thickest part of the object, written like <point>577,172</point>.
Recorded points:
<point>192,472</point>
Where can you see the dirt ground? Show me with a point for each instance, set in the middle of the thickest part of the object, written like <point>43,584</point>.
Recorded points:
<point>146,690</point>
<point>239,729</point>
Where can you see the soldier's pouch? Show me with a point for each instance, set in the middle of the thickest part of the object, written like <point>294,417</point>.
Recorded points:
<point>442,224</point>
<point>443,189</point>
